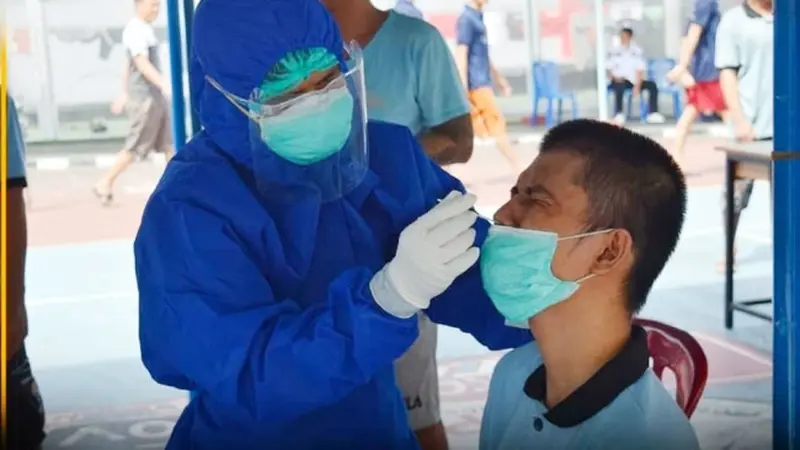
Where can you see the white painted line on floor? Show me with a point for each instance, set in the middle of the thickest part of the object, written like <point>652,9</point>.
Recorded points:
<point>52,163</point>
<point>49,301</point>
<point>749,235</point>
<point>700,232</point>
<point>668,133</point>
<point>719,131</point>
<point>733,348</point>
<point>104,161</point>
<point>740,378</point>
<point>530,139</point>
<point>158,158</point>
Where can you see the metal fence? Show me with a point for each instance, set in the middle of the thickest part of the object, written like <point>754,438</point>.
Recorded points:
<point>66,57</point>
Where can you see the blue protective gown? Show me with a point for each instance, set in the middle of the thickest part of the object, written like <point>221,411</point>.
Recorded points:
<point>260,303</point>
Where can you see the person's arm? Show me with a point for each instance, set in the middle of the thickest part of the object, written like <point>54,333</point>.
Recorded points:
<point>727,61</point>
<point>689,45</point>
<point>465,32</point>
<point>150,73</point>
<point>211,323</point>
<point>136,43</point>
<point>17,234</point>
<point>499,80</point>
<point>610,64</point>
<point>641,71</point>
<point>126,73</point>
<point>702,10</point>
<point>443,104</point>
<point>465,305</point>
<point>17,249</point>
<point>451,142</point>
<point>122,98</point>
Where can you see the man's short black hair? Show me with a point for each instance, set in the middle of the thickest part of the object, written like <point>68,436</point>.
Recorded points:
<point>628,30</point>
<point>631,183</point>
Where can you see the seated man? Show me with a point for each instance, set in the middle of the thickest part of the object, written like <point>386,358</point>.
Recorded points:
<point>626,67</point>
<point>590,225</point>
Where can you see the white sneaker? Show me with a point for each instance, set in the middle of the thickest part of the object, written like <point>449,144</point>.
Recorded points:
<point>655,118</point>
<point>619,119</point>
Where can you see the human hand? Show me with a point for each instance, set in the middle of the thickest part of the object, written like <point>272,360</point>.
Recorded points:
<point>505,88</point>
<point>743,131</point>
<point>118,105</point>
<point>637,89</point>
<point>687,80</point>
<point>431,253</point>
<point>166,91</point>
<point>674,75</point>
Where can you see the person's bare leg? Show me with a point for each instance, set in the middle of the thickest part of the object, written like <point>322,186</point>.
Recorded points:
<point>104,188</point>
<point>432,438</point>
<point>682,128</point>
<point>504,145</point>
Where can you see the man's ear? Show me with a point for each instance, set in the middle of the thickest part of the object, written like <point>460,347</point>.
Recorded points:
<point>618,250</point>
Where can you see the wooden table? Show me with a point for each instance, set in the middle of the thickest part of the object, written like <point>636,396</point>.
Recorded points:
<point>752,160</point>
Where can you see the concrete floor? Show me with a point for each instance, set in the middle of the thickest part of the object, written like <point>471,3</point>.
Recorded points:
<point>83,315</point>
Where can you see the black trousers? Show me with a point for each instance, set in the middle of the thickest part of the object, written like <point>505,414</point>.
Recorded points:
<point>620,86</point>
<point>25,409</point>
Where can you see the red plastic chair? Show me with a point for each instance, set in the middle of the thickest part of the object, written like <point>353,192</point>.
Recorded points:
<point>677,350</point>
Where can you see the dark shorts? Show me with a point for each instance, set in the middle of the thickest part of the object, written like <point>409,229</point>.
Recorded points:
<point>150,126</point>
<point>25,407</point>
<point>706,96</point>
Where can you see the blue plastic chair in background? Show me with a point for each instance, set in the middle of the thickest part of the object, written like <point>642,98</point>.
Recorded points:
<point>546,86</point>
<point>657,69</point>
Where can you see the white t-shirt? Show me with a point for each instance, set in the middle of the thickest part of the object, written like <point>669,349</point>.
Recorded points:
<point>625,62</point>
<point>139,38</point>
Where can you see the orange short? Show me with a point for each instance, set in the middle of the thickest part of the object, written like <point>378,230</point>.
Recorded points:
<point>487,120</point>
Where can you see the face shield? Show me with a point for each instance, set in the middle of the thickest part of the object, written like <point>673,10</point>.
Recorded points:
<point>312,141</point>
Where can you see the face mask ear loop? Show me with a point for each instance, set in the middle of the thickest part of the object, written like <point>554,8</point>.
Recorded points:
<point>583,235</point>
<point>582,279</point>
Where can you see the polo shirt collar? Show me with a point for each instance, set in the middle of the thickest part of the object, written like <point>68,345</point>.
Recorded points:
<point>597,393</point>
<point>752,13</point>
<point>473,10</point>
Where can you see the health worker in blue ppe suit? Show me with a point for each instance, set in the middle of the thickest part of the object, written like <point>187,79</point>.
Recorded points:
<point>284,253</point>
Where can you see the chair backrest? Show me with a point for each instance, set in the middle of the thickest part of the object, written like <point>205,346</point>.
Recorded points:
<point>682,354</point>
<point>657,69</point>
<point>545,78</point>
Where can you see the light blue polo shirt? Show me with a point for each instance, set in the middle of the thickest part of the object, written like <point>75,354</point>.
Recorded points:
<point>411,76</point>
<point>623,406</point>
<point>16,148</point>
<point>745,43</point>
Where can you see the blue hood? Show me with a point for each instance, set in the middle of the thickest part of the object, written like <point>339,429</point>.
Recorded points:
<point>237,42</point>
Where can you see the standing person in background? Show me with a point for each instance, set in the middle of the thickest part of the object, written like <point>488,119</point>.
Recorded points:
<point>145,95</point>
<point>744,57</point>
<point>412,80</point>
<point>408,8</point>
<point>696,71</point>
<point>25,427</point>
<point>478,74</point>
<point>627,69</point>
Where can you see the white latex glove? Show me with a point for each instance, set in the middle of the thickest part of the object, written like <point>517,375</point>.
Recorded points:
<point>431,253</point>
